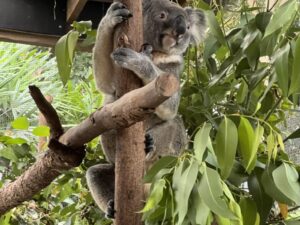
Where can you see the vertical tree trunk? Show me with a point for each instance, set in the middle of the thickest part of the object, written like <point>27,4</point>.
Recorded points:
<point>130,154</point>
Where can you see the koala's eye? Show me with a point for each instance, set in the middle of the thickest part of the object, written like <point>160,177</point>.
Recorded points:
<point>163,15</point>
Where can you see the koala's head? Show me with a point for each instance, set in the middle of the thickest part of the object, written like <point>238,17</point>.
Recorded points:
<point>170,28</point>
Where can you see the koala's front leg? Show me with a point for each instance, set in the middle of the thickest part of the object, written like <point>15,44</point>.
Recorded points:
<point>139,63</point>
<point>103,65</point>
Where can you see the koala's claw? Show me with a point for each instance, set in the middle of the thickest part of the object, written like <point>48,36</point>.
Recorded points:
<point>110,211</point>
<point>149,143</point>
<point>118,13</point>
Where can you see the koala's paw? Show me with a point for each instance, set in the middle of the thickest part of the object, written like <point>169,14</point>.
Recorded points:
<point>147,49</point>
<point>117,13</point>
<point>126,58</point>
<point>149,143</point>
<point>110,211</point>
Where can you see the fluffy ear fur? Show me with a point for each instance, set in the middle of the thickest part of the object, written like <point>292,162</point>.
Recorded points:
<point>197,25</point>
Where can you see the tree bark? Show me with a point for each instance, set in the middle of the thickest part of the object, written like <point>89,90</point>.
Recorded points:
<point>130,153</point>
<point>69,152</point>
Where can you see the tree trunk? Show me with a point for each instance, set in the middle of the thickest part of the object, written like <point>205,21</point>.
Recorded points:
<point>130,153</point>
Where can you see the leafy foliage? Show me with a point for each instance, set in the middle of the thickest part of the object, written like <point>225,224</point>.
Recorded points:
<point>238,92</point>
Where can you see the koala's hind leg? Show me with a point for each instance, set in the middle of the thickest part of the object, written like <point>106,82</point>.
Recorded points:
<point>101,182</point>
<point>169,137</point>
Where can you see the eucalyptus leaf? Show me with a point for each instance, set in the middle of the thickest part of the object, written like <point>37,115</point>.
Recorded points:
<point>249,211</point>
<point>198,212</point>
<point>201,141</point>
<point>274,192</point>
<point>64,52</point>
<point>214,27</point>
<point>286,180</point>
<point>211,192</point>
<point>282,17</point>
<point>164,162</point>
<point>226,145</point>
<point>282,69</point>
<point>155,195</point>
<point>183,183</point>
<point>295,78</point>
<point>262,200</point>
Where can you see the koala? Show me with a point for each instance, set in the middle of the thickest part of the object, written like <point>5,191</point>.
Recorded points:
<point>168,31</point>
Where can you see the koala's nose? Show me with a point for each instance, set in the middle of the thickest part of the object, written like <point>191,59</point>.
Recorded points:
<point>179,25</point>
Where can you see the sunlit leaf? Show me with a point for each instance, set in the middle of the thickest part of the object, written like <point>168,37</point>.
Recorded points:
<point>64,52</point>
<point>41,131</point>
<point>21,123</point>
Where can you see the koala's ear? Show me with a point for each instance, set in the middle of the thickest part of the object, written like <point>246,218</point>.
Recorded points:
<point>197,24</point>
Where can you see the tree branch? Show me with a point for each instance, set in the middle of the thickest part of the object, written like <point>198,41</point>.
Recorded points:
<point>69,151</point>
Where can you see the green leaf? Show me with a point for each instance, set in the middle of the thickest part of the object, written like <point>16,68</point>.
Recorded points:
<point>274,192</point>
<point>225,147</point>
<point>183,181</point>
<point>242,92</point>
<point>201,141</point>
<point>82,26</point>
<point>271,145</point>
<point>21,123</point>
<point>233,205</point>
<point>41,131</point>
<point>294,135</point>
<point>282,17</point>
<point>246,137</point>
<point>64,52</point>
<point>263,201</point>
<point>211,192</point>
<point>8,153</point>
<point>249,211</point>
<point>295,78</point>
<point>282,69</point>
<point>5,219</point>
<point>268,44</point>
<point>214,27</point>
<point>155,195</point>
<point>164,162</point>
<point>262,20</point>
<point>286,180</point>
<point>15,141</point>
<point>198,212</point>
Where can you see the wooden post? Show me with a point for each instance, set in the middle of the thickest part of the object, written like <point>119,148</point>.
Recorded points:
<point>130,154</point>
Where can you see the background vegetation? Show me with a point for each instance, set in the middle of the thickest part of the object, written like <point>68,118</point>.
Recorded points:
<point>238,89</point>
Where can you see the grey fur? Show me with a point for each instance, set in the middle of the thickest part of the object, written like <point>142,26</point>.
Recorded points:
<point>168,29</point>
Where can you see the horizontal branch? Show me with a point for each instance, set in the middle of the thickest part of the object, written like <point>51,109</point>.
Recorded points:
<point>133,107</point>
<point>129,109</point>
